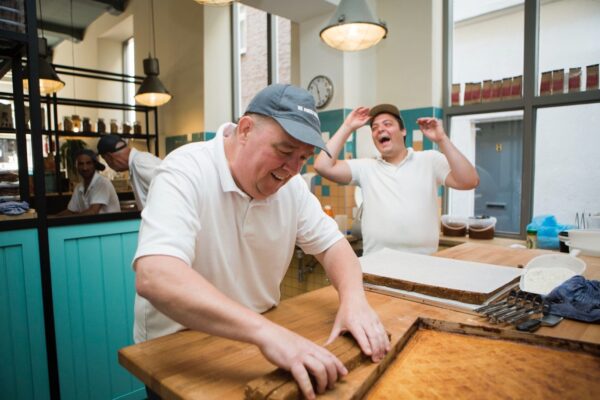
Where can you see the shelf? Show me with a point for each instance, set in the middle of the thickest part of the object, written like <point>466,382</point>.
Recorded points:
<point>97,135</point>
<point>83,134</point>
<point>553,100</point>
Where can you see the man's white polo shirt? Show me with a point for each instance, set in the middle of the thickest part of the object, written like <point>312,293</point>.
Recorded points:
<point>100,191</point>
<point>195,212</point>
<point>142,166</point>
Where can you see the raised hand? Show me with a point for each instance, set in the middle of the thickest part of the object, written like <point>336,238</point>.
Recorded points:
<point>357,118</point>
<point>432,129</point>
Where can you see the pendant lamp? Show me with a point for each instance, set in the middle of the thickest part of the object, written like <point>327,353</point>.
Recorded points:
<point>48,78</point>
<point>353,27</point>
<point>152,92</point>
<point>214,2</point>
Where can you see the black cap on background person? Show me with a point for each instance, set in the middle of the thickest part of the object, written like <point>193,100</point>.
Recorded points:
<point>110,144</point>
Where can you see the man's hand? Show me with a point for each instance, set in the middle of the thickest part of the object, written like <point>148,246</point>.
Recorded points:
<point>357,118</point>
<point>432,129</point>
<point>301,357</point>
<point>357,317</point>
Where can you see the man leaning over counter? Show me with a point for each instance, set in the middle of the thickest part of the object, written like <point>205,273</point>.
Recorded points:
<point>218,233</point>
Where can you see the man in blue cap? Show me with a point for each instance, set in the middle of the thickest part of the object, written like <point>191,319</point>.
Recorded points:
<point>218,233</point>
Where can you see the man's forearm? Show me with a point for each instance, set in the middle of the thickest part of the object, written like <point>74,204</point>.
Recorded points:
<point>343,269</point>
<point>463,171</point>
<point>185,296</point>
<point>334,145</point>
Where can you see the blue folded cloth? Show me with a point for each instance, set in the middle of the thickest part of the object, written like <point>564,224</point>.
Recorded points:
<point>576,298</point>
<point>13,207</point>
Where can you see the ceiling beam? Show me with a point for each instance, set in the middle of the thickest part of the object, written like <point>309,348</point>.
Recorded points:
<point>64,31</point>
<point>115,6</point>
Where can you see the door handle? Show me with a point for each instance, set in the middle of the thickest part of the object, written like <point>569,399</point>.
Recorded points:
<point>496,205</point>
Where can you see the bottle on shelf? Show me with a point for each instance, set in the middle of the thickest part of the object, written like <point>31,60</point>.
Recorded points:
<point>114,127</point>
<point>137,128</point>
<point>86,125</point>
<point>76,120</point>
<point>67,124</point>
<point>101,125</point>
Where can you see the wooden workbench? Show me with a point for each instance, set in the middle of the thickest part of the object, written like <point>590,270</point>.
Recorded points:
<point>189,365</point>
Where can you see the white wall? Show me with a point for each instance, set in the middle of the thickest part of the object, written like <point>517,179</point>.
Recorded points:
<point>217,68</point>
<point>409,67</point>
<point>316,58</point>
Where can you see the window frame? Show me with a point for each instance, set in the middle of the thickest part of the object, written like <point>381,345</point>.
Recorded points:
<point>529,103</point>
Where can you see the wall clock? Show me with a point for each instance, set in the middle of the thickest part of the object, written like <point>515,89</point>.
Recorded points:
<point>321,88</point>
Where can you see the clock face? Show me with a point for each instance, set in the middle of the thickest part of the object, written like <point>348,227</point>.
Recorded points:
<point>322,90</point>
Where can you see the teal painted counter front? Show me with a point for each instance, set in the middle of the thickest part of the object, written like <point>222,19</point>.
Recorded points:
<point>93,292</point>
<point>23,363</point>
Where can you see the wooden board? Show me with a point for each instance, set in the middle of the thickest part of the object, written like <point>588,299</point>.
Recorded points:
<point>280,384</point>
<point>448,360</point>
<point>462,281</point>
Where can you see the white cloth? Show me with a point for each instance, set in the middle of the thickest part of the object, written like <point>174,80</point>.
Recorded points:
<point>100,191</point>
<point>142,167</point>
<point>400,207</point>
<point>196,212</point>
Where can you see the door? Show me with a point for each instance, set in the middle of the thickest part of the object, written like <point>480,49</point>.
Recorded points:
<point>498,159</point>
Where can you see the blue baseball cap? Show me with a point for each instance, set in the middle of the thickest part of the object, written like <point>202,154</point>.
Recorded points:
<point>294,109</point>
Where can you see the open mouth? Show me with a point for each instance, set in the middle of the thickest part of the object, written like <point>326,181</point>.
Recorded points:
<point>277,177</point>
<point>384,138</point>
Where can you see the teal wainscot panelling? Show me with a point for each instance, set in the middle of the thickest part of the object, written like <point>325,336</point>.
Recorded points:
<point>93,289</point>
<point>23,362</point>
<point>410,121</point>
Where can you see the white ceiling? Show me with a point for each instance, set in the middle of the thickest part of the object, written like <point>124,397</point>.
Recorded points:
<point>295,10</point>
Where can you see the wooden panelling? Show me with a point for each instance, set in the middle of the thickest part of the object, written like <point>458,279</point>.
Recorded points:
<point>93,293</point>
<point>23,365</point>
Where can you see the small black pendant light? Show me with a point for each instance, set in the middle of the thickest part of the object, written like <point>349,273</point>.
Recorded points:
<point>152,92</point>
<point>49,80</point>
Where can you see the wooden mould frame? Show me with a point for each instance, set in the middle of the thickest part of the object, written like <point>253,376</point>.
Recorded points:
<point>279,384</point>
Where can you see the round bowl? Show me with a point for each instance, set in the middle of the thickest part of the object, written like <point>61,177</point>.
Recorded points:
<point>544,273</point>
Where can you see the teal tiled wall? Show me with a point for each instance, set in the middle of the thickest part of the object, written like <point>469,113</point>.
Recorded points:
<point>410,117</point>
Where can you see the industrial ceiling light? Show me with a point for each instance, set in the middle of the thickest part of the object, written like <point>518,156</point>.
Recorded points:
<point>48,78</point>
<point>214,2</point>
<point>353,27</point>
<point>152,92</point>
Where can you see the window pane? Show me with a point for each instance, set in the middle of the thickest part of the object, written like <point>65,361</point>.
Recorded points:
<point>129,69</point>
<point>487,45</point>
<point>567,162</point>
<point>494,143</point>
<point>284,50</point>
<point>569,32</point>
<point>253,61</point>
